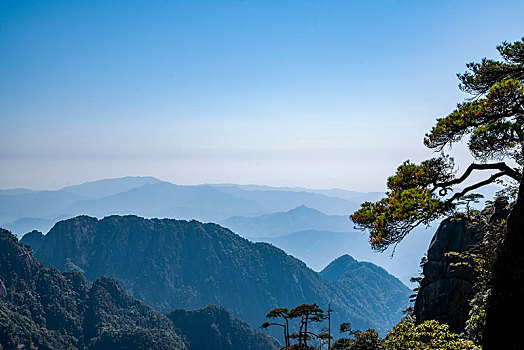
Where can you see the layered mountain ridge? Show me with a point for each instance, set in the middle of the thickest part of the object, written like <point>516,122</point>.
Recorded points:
<point>172,264</point>
<point>22,210</point>
<point>42,308</point>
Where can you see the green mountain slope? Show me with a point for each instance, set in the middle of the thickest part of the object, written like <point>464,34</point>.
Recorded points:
<point>351,274</point>
<point>172,264</point>
<point>213,328</point>
<point>42,308</point>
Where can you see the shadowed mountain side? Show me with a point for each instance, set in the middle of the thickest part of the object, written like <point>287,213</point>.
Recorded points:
<point>33,239</point>
<point>213,328</point>
<point>173,264</point>
<point>279,224</point>
<point>40,307</point>
<point>318,248</point>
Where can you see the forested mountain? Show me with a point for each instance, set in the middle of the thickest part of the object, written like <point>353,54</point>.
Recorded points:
<point>351,274</point>
<point>42,308</point>
<point>173,264</point>
<point>33,239</point>
<point>213,328</point>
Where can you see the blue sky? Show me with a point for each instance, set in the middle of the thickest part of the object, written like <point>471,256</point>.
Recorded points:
<point>307,93</point>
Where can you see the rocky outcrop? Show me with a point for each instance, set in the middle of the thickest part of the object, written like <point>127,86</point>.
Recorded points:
<point>446,288</point>
<point>33,239</point>
<point>504,321</point>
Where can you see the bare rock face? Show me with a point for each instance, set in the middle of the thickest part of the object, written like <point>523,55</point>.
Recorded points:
<point>446,288</point>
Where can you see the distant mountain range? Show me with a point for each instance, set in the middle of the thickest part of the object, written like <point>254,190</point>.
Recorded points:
<point>317,239</point>
<point>22,210</point>
<point>42,308</point>
<point>172,264</point>
<point>317,248</point>
<point>283,223</point>
<point>262,213</point>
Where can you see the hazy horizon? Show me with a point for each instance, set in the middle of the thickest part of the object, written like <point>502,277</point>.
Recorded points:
<point>164,180</point>
<point>331,94</point>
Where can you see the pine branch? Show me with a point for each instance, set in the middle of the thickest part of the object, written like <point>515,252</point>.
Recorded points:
<point>503,167</point>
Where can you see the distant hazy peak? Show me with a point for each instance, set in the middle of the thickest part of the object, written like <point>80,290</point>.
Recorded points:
<point>303,207</point>
<point>106,187</point>
<point>344,259</point>
<point>15,191</point>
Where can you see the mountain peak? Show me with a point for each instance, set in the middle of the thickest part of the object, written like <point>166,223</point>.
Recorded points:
<point>303,209</point>
<point>33,239</point>
<point>107,187</point>
<point>338,267</point>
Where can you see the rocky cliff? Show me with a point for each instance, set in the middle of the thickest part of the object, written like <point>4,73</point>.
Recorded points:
<point>33,239</point>
<point>446,288</point>
<point>504,321</point>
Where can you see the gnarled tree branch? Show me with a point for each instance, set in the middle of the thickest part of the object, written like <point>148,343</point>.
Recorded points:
<point>475,186</point>
<point>503,167</point>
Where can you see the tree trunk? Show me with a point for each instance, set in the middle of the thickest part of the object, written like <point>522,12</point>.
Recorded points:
<point>287,332</point>
<point>305,329</point>
<point>505,312</point>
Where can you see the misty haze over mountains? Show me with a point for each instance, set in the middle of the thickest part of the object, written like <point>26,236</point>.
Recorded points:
<point>312,225</point>
<point>170,264</point>
<point>294,219</point>
<point>150,197</point>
